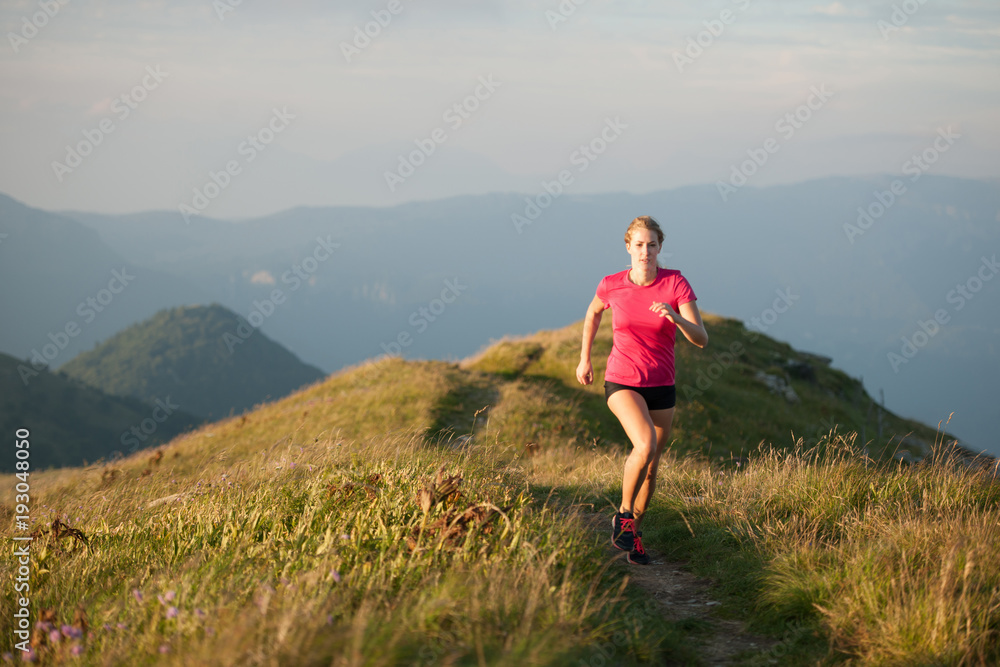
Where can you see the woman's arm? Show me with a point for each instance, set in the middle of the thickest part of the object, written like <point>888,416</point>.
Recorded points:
<point>688,321</point>
<point>591,321</point>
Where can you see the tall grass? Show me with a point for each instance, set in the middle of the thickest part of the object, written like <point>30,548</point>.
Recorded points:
<point>395,514</point>
<point>892,564</point>
<point>323,552</point>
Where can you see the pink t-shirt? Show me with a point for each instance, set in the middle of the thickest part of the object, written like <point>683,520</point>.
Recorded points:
<point>642,353</point>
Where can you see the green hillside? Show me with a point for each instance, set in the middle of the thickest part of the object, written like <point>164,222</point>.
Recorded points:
<point>396,514</point>
<point>726,408</point>
<point>206,357</point>
<point>73,423</point>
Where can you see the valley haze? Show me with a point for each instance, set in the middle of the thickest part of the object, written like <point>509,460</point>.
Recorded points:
<point>910,307</point>
<point>357,179</point>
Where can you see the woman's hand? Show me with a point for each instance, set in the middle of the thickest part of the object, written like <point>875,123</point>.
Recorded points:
<point>664,310</point>
<point>585,372</point>
<point>689,321</point>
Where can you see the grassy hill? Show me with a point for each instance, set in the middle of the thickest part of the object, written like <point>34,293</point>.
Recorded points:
<point>392,514</point>
<point>73,423</point>
<point>726,406</point>
<point>206,357</point>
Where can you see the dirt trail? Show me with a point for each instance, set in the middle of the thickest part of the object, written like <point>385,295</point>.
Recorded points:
<point>682,595</point>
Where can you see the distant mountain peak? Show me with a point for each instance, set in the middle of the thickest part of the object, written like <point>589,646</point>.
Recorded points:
<point>211,360</point>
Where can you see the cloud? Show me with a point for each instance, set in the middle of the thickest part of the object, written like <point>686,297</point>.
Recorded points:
<point>838,9</point>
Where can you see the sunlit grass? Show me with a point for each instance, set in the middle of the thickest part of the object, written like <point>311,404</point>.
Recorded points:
<point>891,563</point>
<point>433,513</point>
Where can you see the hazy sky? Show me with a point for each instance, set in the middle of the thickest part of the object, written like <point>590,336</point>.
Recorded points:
<point>212,74</point>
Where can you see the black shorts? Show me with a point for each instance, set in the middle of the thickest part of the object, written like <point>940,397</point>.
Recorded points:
<point>657,398</point>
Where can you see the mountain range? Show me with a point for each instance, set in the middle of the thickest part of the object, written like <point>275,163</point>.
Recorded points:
<point>896,288</point>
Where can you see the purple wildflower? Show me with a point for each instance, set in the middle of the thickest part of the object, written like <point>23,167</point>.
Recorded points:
<point>172,612</point>
<point>54,636</point>
<point>138,594</point>
<point>77,649</point>
<point>164,648</point>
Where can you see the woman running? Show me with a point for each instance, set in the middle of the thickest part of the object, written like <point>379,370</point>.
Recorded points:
<point>648,305</point>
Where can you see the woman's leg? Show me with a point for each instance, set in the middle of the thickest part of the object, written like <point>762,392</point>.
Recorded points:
<point>662,421</point>
<point>630,409</point>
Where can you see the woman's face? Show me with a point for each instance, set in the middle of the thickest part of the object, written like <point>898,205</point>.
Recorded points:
<point>643,247</point>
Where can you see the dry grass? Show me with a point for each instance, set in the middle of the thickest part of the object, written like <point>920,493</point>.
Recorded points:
<point>275,539</point>
<point>423,513</point>
<point>893,564</point>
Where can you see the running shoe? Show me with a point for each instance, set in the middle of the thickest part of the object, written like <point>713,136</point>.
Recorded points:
<point>623,530</point>
<point>638,554</point>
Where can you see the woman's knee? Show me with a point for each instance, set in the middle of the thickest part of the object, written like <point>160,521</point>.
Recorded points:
<point>645,452</point>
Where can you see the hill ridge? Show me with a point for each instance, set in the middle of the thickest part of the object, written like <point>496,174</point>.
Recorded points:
<point>209,358</point>
<point>426,512</point>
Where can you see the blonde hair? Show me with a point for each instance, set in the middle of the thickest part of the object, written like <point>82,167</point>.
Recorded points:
<point>644,222</point>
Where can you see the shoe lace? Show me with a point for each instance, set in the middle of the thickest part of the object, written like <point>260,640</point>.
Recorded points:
<point>637,545</point>
<point>627,526</point>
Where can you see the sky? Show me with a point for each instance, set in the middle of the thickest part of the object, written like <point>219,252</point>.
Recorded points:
<point>270,105</point>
